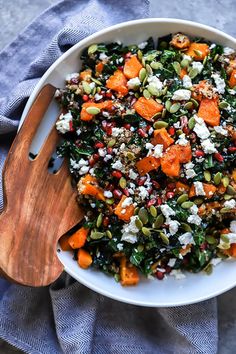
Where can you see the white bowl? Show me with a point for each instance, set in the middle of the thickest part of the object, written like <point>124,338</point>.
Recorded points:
<point>170,292</point>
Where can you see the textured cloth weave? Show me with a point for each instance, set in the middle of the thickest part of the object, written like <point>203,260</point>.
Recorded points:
<point>67,317</point>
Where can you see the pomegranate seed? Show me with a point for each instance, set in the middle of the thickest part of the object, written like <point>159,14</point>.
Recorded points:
<point>171,186</point>
<point>203,246</point>
<point>218,157</point>
<point>98,145</point>
<point>171,131</point>
<point>168,269</point>
<point>120,68</point>
<point>155,184</point>
<point>150,190</point>
<point>105,221</point>
<point>126,192</point>
<point>74,80</point>
<point>151,202</point>
<point>170,195</point>
<point>127,126</point>
<point>85,98</point>
<point>109,150</point>
<point>71,126</point>
<point>109,130</point>
<point>199,153</point>
<point>117,193</point>
<point>159,275</point>
<point>134,99</point>
<point>159,201</point>
<point>92,161</point>
<point>108,94</point>
<point>96,157</point>
<point>141,181</point>
<point>111,187</point>
<point>184,121</point>
<point>142,133</point>
<point>148,127</point>
<point>116,174</point>
<point>193,137</point>
<point>186,130</point>
<point>232,149</point>
<point>104,125</point>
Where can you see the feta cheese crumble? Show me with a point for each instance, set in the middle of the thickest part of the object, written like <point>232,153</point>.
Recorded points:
<point>108,194</point>
<point>133,175</point>
<point>199,190</point>
<point>220,130</point>
<point>167,211</point>
<point>198,66</point>
<point>118,166</point>
<point>133,83</point>
<point>208,147</point>
<point>194,219</point>
<point>127,202</point>
<point>116,132</point>
<point>186,239</point>
<point>219,82</point>
<point>181,95</point>
<point>129,231</point>
<point>200,128</point>
<point>63,123</point>
<point>143,193</point>
<point>230,204</point>
<point>182,140</point>
<point>187,82</point>
<point>173,226</point>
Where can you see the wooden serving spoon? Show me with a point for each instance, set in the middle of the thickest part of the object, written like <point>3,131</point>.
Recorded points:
<point>39,207</point>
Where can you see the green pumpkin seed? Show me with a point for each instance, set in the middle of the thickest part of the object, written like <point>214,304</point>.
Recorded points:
<point>86,87</point>
<point>225,238</point>
<point>182,198</point>
<point>153,211</point>
<point>154,91</point>
<point>140,54</point>
<point>109,234</point>
<point>175,107</point>
<point>164,44</point>
<point>188,105</point>
<point>143,61</point>
<point>156,65</point>
<point>225,210</point>
<point>186,227</point>
<point>99,89</point>
<point>149,69</point>
<point>217,178</point>
<point>179,132</point>
<point>163,113</point>
<point>187,205</point>
<point>177,67</point>
<point>122,182</point>
<point>157,115</point>
<point>140,248</point>
<point>143,215</point>
<point>151,57</point>
<point>207,175</point>
<point>184,63</point>
<point>198,201</point>
<point>164,238</point>
<point>191,122</point>
<point>92,49</point>
<point>227,197</point>
<point>197,52</point>
<point>111,143</point>
<point>94,90</point>
<point>99,220</point>
<point>146,94</point>
<point>193,73</point>
<point>211,240</point>
<point>130,155</point>
<point>224,246</point>
<point>208,269</point>
<point>136,210</point>
<point>160,124</point>
<point>168,105</point>
<point>95,235</point>
<point>146,231</point>
<point>230,190</point>
<point>158,100</point>
<point>142,74</point>
<point>223,105</point>
<point>158,222</point>
<point>216,57</point>
<point>164,91</point>
<point>110,201</point>
<point>93,110</point>
<point>96,81</point>
<point>138,223</point>
<point>195,103</point>
<point>225,181</point>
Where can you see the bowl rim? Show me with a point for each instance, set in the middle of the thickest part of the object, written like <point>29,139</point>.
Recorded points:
<point>44,80</point>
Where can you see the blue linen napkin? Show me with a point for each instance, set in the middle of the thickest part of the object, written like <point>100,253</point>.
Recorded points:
<point>66,317</point>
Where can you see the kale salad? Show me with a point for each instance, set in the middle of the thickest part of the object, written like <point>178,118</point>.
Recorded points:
<point>149,133</point>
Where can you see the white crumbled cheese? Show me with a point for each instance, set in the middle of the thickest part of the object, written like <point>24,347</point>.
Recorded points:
<point>187,82</point>
<point>92,85</point>
<point>220,130</point>
<point>117,131</point>
<point>176,125</point>
<point>151,130</point>
<point>127,202</point>
<point>133,83</point>
<point>232,92</point>
<point>84,170</point>
<point>230,204</point>
<point>63,123</point>
<point>98,97</point>
<point>77,165</point>
<point>200,128</point>
<point>213,45</point>
<point>177,274</point>
<point>208,146</point>
<point>190,173</point>
<point>173,226</point>
<point>187,57</point>
<point>199,190</point>
<point>72,76</point>
<point>118,166</point>
<point>149,146</point>
<point>194,219</point>
<point>122,147</point>
<point>108,194</point>
<point>103,56</point>
<point>107,158</point>
<point>198,66</point>
<point>186,239</point>
<point>171,262</point>
<point>194,209</point>
<point>78,131</point>
<point>182,140</point>
<point>181,95</point>
<point>158,151</point>
<point>155,83</point>
<point>133,175</point>
<point>129,231</point>
<point>120,246</point>
<point>231,237</point>
<point>219,82</point>
<point>233,226</point>
<point>123,211</point>
<point>215,261</point>
<point>167,211</point>
<point>102,152</point>
<point>228,51</point>
<point>105,114</point>
<point>142,45</point>
<point>143,193</point>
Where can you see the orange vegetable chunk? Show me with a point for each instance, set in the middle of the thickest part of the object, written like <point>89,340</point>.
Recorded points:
<point>64,243</point>
<point>118,83</point>
<point>84,258</point>
<point>161,136</point>
<point>105,105</point>
<point>181,187</point>
<point>209,111</point>
<point>78,239</point>
<point>85,75</point>
<point>209,189</point>
<point>198,51</point>
<point>132,67</point>
<point>99,68</point>
<point>147,108</point>
<point>147,164</point>
<point>232,80</point>
<point>124,213</point>
<point>183,152</point>
<point>128,273</point>
<point>170,164</point>
<point>89,185</point>
<point>183,72</point>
